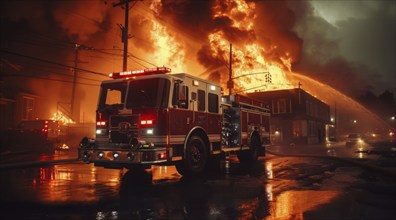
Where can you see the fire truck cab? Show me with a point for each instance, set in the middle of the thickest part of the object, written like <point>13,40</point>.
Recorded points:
<point>150,116</point>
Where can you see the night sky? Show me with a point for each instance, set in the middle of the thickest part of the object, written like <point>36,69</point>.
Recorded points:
<point>349,45</point>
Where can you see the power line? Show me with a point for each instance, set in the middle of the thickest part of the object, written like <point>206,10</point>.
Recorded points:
<point>143,10</point>
<point>38,77</point>
<point>64,74</point>
<point>131,58</point>
<point>129,54</point>
<point>50,62</point>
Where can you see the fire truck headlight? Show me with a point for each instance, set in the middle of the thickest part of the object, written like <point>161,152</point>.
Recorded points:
<point>99,131</point>
<point>131,156</point>
<point>115,155</point>
<point>86,155</point>
<point>150,131</point>
<point>100,155</point>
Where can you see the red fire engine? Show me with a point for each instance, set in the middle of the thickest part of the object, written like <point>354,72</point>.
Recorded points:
<point>150,116</point>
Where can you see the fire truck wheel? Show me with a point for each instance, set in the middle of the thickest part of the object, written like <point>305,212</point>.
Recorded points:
<point>196,157</point>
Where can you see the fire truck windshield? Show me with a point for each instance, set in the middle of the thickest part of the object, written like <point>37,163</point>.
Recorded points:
<point>148,93</point>
<point>112,95</point>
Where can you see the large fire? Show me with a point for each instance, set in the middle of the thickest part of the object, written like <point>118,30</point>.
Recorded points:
<point>248,58</point>
<point>255,67</point>
<point>251,71</point>
<point>62,118</point>
<point>168,51</point>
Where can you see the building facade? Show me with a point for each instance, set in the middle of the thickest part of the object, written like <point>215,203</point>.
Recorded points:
<point>296,116</point>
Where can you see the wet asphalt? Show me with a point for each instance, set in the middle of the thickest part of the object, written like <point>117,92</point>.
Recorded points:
<point>279,186</point>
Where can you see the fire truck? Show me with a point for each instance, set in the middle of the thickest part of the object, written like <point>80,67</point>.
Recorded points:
<point>152,117</point>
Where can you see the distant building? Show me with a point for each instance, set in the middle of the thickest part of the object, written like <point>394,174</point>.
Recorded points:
<point>16,102</point>
<point>297,117</point>
<point>18,107</point>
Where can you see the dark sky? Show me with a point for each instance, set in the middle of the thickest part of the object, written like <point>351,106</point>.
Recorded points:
<point>349,45</point>
<point>353,39</point>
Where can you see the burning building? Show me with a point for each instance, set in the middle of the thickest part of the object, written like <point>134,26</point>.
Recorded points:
<point>297,116</point>
<point>272,42</point>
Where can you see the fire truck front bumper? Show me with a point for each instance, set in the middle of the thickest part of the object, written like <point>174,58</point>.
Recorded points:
<point>123,156</point>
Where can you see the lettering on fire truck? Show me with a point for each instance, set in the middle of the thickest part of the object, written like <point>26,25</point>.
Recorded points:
<point>147,117</point>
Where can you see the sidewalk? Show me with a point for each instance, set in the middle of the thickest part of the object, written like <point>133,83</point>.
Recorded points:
<point>22,159</point>
<point>338,151</point>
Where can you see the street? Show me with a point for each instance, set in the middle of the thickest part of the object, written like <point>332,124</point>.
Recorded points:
<point>210,109</point>
<point>279,186</point>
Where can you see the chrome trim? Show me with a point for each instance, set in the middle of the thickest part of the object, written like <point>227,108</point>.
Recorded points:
<point>108,156</point>
<point>231,149</point>
<point>177,158</point>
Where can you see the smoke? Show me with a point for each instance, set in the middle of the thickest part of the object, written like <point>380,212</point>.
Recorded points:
<point>44,34</point>
<point>274,28</point>
<point>193,18</point>
<point>348,46</point>
<point>69,14</point>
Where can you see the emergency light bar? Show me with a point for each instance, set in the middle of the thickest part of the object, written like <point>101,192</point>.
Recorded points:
<point>157,70</point>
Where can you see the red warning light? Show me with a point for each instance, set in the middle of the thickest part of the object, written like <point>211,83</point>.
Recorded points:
<point>149,71</point>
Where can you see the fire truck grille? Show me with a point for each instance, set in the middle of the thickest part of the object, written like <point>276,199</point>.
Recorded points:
<point>115,120</point>
<point>123,128</point>
<point>118,137</point>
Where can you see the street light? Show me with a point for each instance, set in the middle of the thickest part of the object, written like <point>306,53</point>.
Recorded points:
<point>230,82</point>
<point>355,121</point>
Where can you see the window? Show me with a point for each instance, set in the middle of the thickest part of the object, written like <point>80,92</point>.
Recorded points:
<point>312,128</point>
<point>149,93</point>
<point>201,100</point>
<point>180,96</point>
<point>274,107</point>
<point>282,106</point>
<point>213,103</point>
<point>279,106</point>
<point>299,128</point>
<point>28,108</point>
<point>112,95</point>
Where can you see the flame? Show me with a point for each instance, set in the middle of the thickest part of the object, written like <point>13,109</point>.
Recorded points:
<point>251,71</point>
<point>62,118</point>
<point>168,51</point>
<point>234,9</point>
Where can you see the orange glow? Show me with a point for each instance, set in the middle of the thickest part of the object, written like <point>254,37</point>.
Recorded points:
<point>234,9</point>
<point>295,203</point>
<point>268,169</point>
<point>62,118</point>
<point>330,96</point>
<point>247,58</point>
<point>168,50</point>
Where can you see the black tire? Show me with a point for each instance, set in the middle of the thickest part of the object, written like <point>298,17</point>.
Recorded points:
<point>181,168</point>
<point>196,157</point>
<point>250,156</point>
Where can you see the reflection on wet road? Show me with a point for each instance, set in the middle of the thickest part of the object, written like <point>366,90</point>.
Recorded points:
<point>276,188</point>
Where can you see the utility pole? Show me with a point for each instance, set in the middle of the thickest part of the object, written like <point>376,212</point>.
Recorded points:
<point>299,93</point>
<point>76,62</point>
<point>124,30</point>
<point>335,119</point>
<point>74,80</point>
<point>230,83</point>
